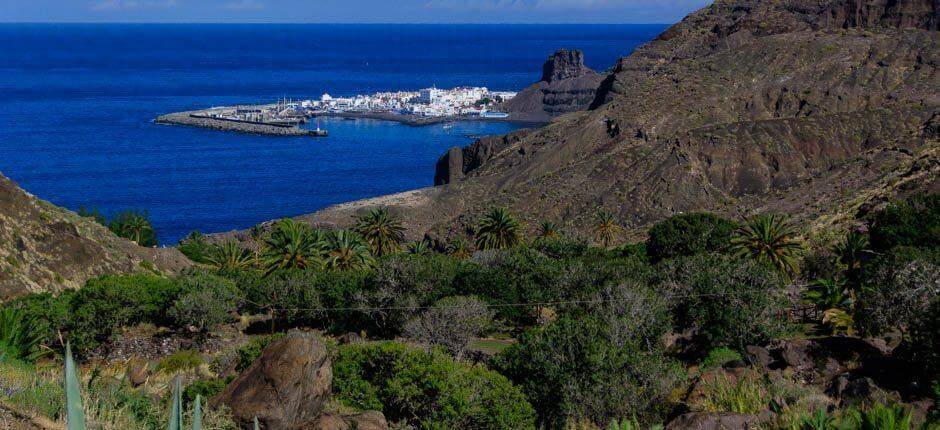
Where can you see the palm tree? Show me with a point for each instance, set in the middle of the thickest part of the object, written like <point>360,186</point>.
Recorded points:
<point>292,245</point>
<point>457,248</point>
<point>606,228</point>
<point>548,230</point>
<point>348,251</point>
<point>498,230</point>
<point>134,226</point>
<point>229,256</point>
<point>768,239</point>
<point>383,231</point>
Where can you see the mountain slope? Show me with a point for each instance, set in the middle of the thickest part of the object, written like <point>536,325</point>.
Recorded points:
<point>816,108</point>
<point>46,248</point>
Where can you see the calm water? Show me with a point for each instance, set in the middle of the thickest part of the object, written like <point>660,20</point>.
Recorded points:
<point>76,104</point>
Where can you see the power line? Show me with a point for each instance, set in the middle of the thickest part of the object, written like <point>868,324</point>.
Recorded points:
<point>494,305</point>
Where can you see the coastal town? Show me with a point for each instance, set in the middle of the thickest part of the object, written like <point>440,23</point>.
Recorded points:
<point>286,117</point>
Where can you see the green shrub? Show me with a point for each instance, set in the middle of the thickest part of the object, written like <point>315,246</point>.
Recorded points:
<point>205,388</point>
<point>195,247</point>
<point>747,395</point>
<point>183,359</point>
<point>688,234</point>
<point>451,322</point>
<point>250,351</point>
<point>106,304</point>
<point>521,275</point>
<point>924,343</point>
<point>729,302</point>
<point>719,357</point>
<point>897,289</point>
<point>208,301</point>
<point>427,389</point>
<point>560,248</point>
<point>48,314</point>
<point>912,222</point>
<point>601,366</point>
<point>402,283</point>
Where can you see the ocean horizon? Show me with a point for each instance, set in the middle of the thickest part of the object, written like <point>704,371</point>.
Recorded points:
<point>77,103</point>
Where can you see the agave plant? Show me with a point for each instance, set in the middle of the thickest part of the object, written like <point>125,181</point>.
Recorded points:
<point>820,420</point>
<point>498,230</point>
<point>884,417</point>
<point>547,230</point>
<point>828,294</point>
<point>421,247</point>
<point>606,228</point>
<point>348,251</point>
<point>176,410</point>
<point>19,338</point>
<point>457,248</point>
<point>74,413</point>
<point>229,256</point>
<point>383,231</point>
<point>768,239</point>
<point>839,321</point>
<point>293,245</point>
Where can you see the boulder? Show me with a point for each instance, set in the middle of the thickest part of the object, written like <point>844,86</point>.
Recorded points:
<point>137,372</point>
<point>850,389</point>
<point>449,167</point>
<point>371,420</point>
<point>284,388</point>
<point>758,356</point>
<point>713,421</point>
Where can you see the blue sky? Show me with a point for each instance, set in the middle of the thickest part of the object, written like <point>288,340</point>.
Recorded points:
<point>350,11</point>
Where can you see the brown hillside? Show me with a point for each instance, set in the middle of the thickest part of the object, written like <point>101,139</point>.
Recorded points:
<point>816,108</point>
<point>46,248</point>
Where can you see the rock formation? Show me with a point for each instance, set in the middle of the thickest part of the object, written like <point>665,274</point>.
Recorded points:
<point>46,248</point>
<point>567,85</point>
<point>288,388</point>
<point>814,108</point>
<point>285,388</point>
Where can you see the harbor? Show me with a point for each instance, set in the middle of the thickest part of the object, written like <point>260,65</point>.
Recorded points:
<point>290,118</point>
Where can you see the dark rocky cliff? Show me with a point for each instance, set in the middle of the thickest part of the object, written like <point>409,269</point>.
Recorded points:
<point>815,108</point>
<point>567,85</point>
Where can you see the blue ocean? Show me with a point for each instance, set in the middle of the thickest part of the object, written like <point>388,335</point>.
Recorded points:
<point>77,103</point>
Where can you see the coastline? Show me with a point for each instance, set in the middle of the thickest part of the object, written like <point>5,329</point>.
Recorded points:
<point>198,119</point>
<point>420,121</point>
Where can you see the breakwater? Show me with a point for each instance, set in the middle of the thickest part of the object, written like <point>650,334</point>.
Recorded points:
<point>203,119</point>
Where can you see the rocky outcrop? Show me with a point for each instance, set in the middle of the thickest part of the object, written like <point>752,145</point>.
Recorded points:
<point>567,85</point>
<point>288,388</point>
<point>47,248</point>
<point>564,64</point>
<point>812,108</point>
<point>285,388</point>
<point>458,162</point>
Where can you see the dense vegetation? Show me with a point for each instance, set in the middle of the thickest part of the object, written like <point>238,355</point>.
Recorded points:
<point>584,322</point>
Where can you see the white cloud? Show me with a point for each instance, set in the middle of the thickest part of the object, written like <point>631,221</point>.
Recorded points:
<point>118,5</point>
<point>241,5</point>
